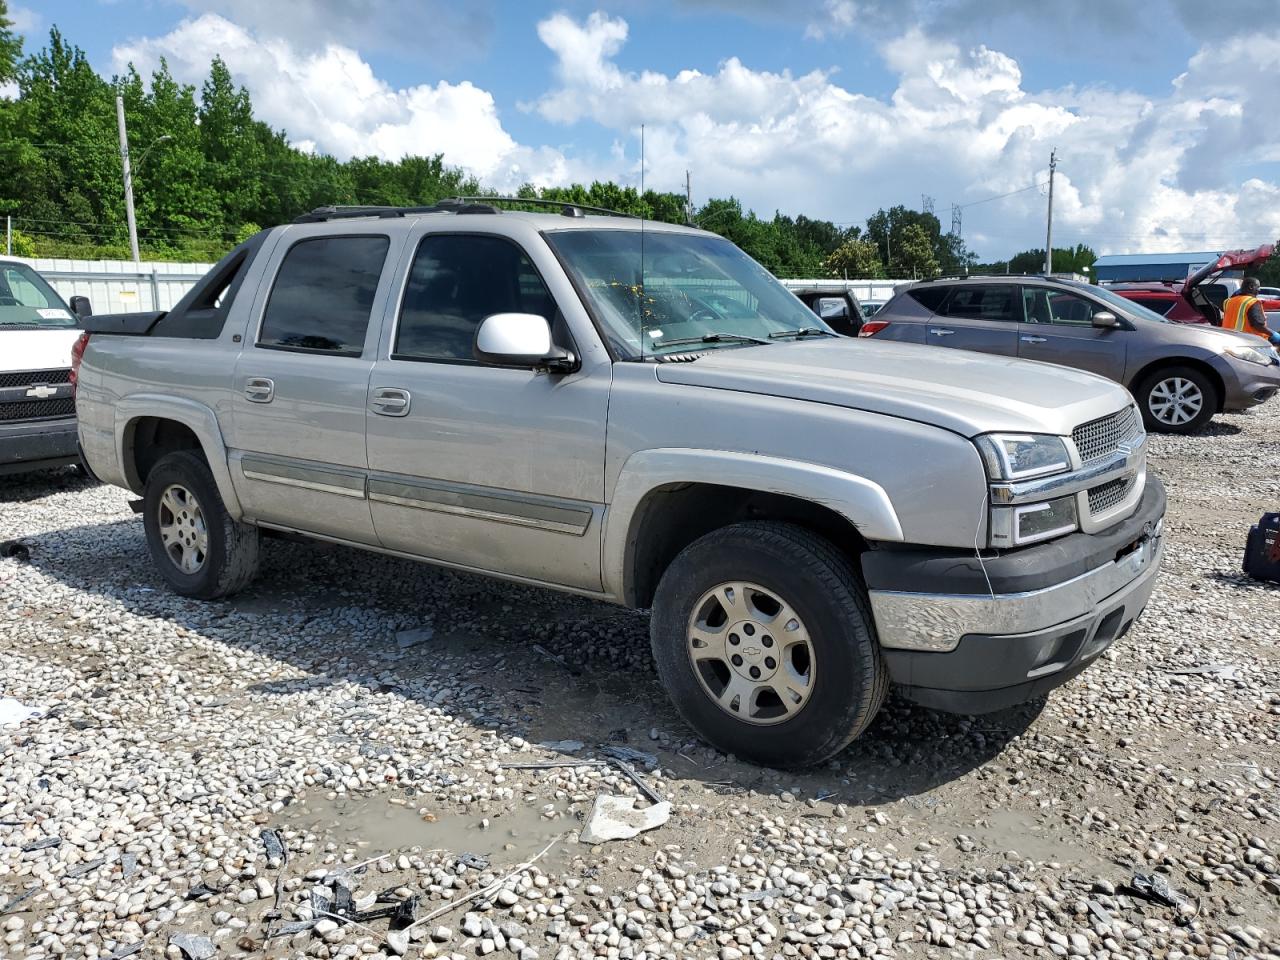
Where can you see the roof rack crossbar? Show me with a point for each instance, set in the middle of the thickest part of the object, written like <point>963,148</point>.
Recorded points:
<point>567,207</point>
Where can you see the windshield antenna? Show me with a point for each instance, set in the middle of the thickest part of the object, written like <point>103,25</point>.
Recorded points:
<point>643,295</point>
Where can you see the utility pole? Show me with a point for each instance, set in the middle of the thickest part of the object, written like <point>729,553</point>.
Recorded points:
<point>1048,235</point>
<point>128,181</point>
<point>8,236</point>
<point>688,198</point>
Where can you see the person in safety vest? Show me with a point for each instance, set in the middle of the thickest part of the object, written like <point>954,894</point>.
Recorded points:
<point>1243,312</point>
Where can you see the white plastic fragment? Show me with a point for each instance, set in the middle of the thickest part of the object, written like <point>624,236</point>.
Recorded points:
<point>13,712</point>
<point>616,818</point>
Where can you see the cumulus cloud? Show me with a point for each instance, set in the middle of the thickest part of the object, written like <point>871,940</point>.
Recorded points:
<point>330,99</point>
<point>24,19</point>
<point>439,29</point>
<point>961,124</point>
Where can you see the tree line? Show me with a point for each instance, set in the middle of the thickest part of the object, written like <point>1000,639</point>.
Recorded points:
<point>207,173</point>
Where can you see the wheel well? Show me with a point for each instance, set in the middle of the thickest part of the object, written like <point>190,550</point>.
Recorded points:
<point>1197,365</point>
<point>151,438</point>
<point>672,517</point>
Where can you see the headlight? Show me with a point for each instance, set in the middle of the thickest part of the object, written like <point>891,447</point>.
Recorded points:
<point>1033,522</point>
<point>1023,456</point>
<point>1263,355</point>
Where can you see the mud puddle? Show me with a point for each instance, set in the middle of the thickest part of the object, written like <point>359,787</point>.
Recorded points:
<point>375,826</point>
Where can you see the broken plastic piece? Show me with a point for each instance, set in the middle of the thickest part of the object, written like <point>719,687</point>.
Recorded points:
<point>1155,888</point>
<point>193,947</point>
<point>202,891</point>
<point>44,844</point>
<point>411,638</point>
<point>629,755</point>
<point>273,844</point>
<point>616,818</point>
<point>11,711</point>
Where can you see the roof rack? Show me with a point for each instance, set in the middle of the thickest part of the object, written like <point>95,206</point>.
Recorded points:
<point>567,208</point>
<point>457,205</point>
<point>998,276</point>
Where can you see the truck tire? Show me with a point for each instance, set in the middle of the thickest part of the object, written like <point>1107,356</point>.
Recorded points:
<point>764,640</point>
<point>196,545</point>
<point>1177,400</point>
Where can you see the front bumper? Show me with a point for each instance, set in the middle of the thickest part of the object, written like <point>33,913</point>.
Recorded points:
<point>37,444</point>
<point>971,636</point>
<point>1248,384</point>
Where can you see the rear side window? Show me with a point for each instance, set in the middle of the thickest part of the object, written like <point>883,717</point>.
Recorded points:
<point>455,282</point>
<point>323,295</point>
<point>928,297</point>
<point>994,302</point>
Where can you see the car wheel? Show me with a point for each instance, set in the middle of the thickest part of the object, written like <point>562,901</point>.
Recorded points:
<point>198,548</point>
<point>1177,400</point>
<point>764,640</point>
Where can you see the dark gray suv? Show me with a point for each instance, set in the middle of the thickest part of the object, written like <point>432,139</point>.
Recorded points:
<point>1180,374</point>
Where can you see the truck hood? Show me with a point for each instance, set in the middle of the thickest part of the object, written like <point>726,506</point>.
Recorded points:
<point>28,349</point>
<point>968,393</point>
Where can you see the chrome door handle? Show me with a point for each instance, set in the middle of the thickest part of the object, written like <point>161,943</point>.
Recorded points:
<point>390,401</point>
<point>941,331</point>
<point>259,389</point>
<point>1032,339</point>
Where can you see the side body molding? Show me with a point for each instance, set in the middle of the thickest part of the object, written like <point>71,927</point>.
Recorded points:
<point>203,423</point>
<point>864,503</point>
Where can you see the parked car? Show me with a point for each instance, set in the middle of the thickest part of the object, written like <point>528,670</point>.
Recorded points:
<point>1270,293</point>
<point>808,516</point>
<point>1181,375</point>
<point>37,410</point>
<point>832,300</point>
<point>1200,298</point>
<point>871,307</point>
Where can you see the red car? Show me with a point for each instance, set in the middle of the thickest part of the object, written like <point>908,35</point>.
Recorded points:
<point>1200,297</point>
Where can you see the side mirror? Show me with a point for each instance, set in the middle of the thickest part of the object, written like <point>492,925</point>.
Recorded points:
<point>521,340</point>
<point>80,307</point>
<point>1106,320</point>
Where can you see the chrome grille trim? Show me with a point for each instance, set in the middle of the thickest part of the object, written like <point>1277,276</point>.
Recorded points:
<point>1102,437</point>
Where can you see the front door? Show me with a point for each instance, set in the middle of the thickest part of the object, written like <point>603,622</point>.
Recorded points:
<point>298,455</point>
<point>982,317</point>
<point>1059,329</point>
<point>487,468</point>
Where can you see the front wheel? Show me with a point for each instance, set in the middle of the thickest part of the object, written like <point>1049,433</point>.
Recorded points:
<point>196,545</point>
<point>763,638</point>
<point>1177,400</point>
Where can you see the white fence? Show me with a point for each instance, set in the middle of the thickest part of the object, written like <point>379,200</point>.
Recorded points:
<point>864,290</point>
<point>120,286</point>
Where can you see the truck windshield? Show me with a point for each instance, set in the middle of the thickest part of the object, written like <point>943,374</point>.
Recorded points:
<point>26,300</point>
<point>675,292</point>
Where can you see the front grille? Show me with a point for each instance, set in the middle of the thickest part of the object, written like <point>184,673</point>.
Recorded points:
<point>1100,438</point>
<point>38,409</point>
<point>25,378</point>
<point>1109,495</point>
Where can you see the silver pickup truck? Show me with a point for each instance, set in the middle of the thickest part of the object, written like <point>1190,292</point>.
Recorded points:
<point>639,413</point>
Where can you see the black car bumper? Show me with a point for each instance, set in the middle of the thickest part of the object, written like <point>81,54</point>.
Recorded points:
<point>37,444</point>
<point>972,637</point>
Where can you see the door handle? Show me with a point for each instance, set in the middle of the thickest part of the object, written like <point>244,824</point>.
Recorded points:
<point>390,401</point>
<point>259,389</point>
<point>941,331</point>
<point>1032,339</point>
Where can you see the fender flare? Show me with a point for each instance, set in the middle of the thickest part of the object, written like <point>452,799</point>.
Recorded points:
<point>863,502</point>
<point>196,416</point>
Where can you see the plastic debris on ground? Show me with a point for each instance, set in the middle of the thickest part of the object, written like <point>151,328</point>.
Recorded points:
<point>617,818</point>
<point>13,712</point>
<point>629,755</point>
<point>193,947</point>
<point>562,746</point>
<point>1155,887</point>
<point>411,638</point>
<point>473,861</point>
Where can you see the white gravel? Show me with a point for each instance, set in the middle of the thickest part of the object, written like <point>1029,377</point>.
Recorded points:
<point>175,732</point>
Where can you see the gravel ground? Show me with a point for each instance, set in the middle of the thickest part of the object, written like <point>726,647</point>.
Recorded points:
<point>175,733</point>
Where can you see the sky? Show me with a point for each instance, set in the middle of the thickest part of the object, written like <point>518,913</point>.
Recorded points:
<point>1162,115</point>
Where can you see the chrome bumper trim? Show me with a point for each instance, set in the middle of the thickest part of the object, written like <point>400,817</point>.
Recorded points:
<point>936,622</point>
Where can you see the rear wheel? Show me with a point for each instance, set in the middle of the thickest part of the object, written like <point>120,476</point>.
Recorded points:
<point>764,641</point>
<point>196,545</point>
<point>1177,400</point>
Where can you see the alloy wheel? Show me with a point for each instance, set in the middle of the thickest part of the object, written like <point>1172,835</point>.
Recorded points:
<point>1175,402</point>
<point>751,653</point>
<point>182,529</point>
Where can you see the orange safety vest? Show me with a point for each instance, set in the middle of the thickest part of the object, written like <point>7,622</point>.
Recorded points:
<point>1235,314</point>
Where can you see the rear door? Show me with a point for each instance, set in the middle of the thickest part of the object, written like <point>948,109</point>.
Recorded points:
<point>301,381</point>
<point>982,317</point>
<point>1059,329</point>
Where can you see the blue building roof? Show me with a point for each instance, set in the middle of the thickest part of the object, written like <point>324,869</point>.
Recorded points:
<point>1152,266</point>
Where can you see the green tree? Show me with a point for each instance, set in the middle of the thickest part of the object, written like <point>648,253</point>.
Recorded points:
<point>913,253</point>
<point>854,259</point>
<point>1065,260</point>
<point>10,45</point>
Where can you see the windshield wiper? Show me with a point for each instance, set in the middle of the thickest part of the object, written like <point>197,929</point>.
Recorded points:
<point>710,338</point>
<point>801,333</point>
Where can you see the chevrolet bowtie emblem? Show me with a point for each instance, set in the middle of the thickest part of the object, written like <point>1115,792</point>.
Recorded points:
<point>42,391</point>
